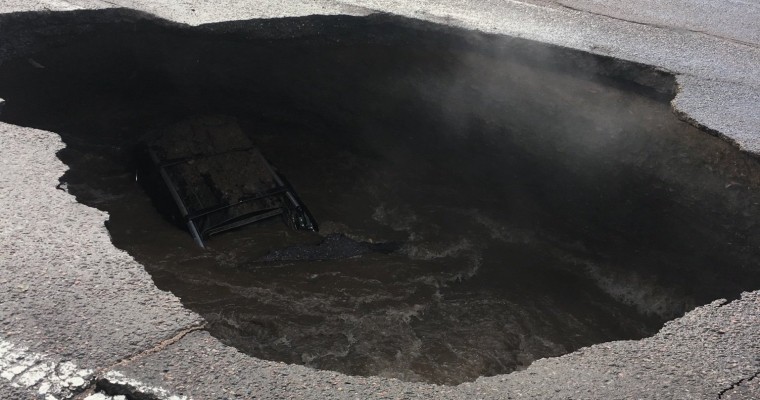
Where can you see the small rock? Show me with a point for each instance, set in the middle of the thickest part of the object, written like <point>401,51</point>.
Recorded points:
<point>98,396</point>
<point>75,382</point>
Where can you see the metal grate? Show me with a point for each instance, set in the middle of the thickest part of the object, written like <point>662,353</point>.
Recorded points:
<point>219,181</point>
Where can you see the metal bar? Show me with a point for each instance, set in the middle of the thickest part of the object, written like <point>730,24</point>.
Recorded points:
<point>225,227</point>
<point>258,196</point>
<point>196,235</point>
<point>279,180</point>
<point>182,209</point>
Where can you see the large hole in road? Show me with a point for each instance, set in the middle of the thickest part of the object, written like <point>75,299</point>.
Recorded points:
<point>484,201</point>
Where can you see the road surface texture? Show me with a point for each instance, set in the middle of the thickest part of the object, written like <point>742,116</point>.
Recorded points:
<point>80,318</point>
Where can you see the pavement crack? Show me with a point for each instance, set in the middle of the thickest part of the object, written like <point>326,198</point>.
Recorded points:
<point>737,384</point>
<point>110,3</point>
<point>99,379</point>
<point>158,347</point>
<point>658,26</point>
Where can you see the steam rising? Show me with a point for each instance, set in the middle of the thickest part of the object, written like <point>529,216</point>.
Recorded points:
<point>485,201</point>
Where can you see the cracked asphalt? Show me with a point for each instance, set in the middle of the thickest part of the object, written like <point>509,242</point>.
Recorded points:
<point>74,306</point>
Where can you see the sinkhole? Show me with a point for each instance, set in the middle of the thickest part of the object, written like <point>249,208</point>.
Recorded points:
<point>484,201</point>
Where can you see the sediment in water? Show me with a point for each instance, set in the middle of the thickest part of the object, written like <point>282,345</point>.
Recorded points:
<point>496,200</point>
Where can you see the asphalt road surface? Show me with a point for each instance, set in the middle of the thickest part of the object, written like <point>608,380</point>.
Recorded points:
<point>79,317</point>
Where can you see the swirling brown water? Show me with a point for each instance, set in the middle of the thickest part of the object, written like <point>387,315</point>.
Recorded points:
<point>482,203</point>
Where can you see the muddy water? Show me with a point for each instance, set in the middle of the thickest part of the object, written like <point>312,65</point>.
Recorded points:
<point>463,292</point>
<point>483,202</point>
<point>417,273</point>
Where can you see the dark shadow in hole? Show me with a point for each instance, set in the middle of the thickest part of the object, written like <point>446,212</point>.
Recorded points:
<point>534,200</point>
